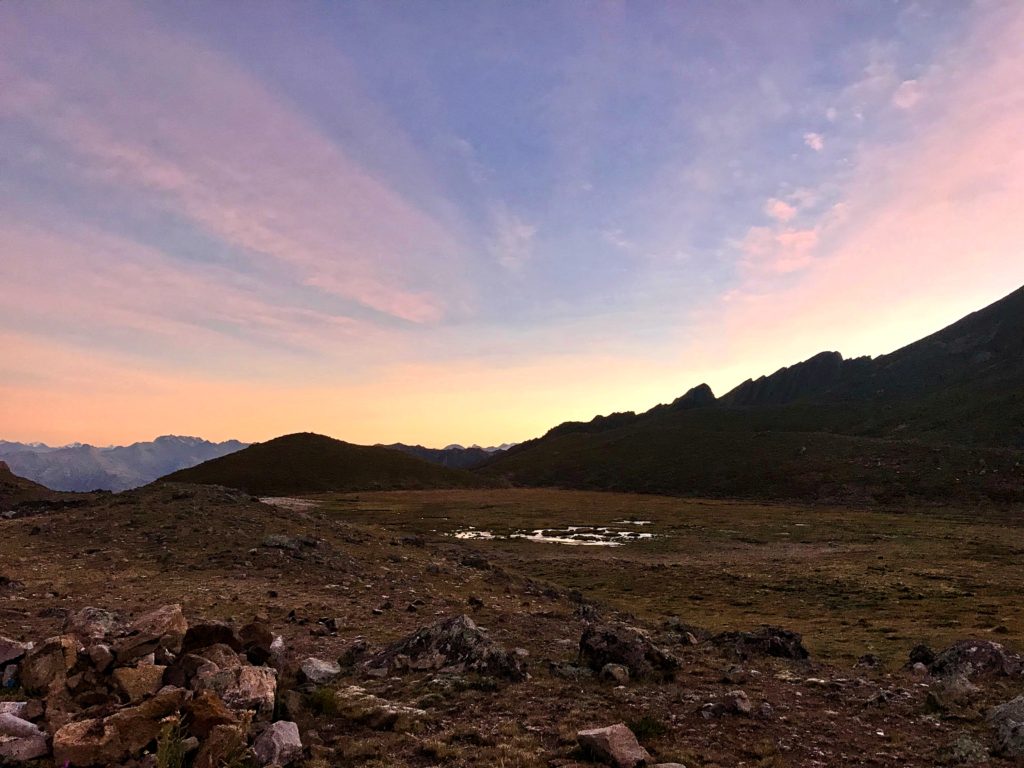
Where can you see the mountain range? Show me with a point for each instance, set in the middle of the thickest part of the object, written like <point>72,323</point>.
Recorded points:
<point>81,467</point>
<point>940,418</point>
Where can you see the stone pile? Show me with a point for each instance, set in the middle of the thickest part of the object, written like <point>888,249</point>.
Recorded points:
<point>106,692</point>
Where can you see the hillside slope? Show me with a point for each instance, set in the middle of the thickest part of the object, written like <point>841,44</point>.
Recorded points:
<point>311,463</point>
<point>940,418</point>
<point>15,490</point>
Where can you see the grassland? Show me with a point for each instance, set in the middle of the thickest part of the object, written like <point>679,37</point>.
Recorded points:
<point>853,581</point>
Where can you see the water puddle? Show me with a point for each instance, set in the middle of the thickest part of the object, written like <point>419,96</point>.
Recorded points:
<point>289,503</point>
<point>572,535</point>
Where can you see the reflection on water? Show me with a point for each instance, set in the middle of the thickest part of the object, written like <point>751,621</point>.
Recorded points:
<point>572,535</point>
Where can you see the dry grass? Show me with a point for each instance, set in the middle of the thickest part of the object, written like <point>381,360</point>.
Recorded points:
<point>853,581</point>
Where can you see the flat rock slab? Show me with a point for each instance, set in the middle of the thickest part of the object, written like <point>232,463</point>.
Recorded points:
<point>614,745</point>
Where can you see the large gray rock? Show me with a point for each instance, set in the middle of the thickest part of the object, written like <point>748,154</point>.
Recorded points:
<point>456,644</point>
<point>363,707</point>
<point>614,745</point>
<point>1008,721</point>
<point>242,688</point>
<point>977,658</point>
<point>765,641</point>
<point>20,740</point>
<point>279,744</point>
<point>631,648</point>
<point>92,624</point>
<point>318,671</point>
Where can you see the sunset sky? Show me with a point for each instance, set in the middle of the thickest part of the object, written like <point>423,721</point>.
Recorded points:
<point>441,222</point>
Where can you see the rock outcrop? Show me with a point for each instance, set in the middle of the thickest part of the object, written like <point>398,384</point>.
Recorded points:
<point>603,645</point>
<point>456,645</point>
<point>766,641</point>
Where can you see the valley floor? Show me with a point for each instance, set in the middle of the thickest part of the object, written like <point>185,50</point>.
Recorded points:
<point>854,582</point>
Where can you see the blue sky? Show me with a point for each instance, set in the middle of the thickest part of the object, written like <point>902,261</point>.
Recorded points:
<point>468,221</point>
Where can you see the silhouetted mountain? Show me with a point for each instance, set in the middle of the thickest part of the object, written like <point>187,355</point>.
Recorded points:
<point>454,456</point>
<point>117,468</point>
<point>15,490</point>
<point>940,418</point>
<point>806,379</point>
<point>310,463</point>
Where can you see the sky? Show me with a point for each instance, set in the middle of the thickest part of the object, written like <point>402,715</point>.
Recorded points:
<point>464,222</point>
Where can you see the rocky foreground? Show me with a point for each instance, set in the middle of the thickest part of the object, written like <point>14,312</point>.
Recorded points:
<point>196,627</point>
<point>160,692</point>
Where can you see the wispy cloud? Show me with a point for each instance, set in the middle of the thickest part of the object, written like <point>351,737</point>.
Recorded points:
<point>213,144</point>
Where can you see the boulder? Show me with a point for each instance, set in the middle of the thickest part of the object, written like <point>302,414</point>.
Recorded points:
<point>226,745</point>
<point>456,644</point>
<point>242,688</point>
<point>12,650</point>
<point>222,656</point>
<point>737,703</point>
<point>601,645</point>
<point>205,712</point>
<point>318,671</point>
<point>163,629</point>
<point>101,656</point>
<point>208,633</point>
<point>92,624</point>
<point>257,642</point>
<point>279,744</point>
<point>733,703</point>
<point>766,641</point>
<point>20,740</point>
<point>1008,722</point>
<point>106,741</point>
<point>48,663</point>
<point>362,707</point>
<point>615,673</point>
<point>614,745</point>
<point>16,708</point>
<point>136,683</point>
<point>976,658</point>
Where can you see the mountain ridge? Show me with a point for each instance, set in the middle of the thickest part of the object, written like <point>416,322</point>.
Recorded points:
<point>873,423</point>
<point>305,462</point>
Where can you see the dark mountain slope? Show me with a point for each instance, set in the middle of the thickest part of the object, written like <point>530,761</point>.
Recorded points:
<point>455,457</point>
<point>15,490</point>
<point>940,418</point>
<point>310,463</point>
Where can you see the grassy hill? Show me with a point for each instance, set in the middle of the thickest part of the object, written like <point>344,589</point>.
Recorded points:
<point>310,463</point>
<point>942,418</point>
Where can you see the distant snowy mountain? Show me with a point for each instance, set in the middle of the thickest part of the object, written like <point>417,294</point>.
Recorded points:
<point>79,467</point>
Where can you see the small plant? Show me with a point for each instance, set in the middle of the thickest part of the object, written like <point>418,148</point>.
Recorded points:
<point>323,701</point>
<point>647,727</point>
<point>170,745</point>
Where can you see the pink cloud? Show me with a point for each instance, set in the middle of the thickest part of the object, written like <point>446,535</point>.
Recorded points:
<point>779,210</point>
<point>768,252</point>
<point>286,191</point>
<point>929,229</point>
<point>907,95</point>
<point>815,141</point>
